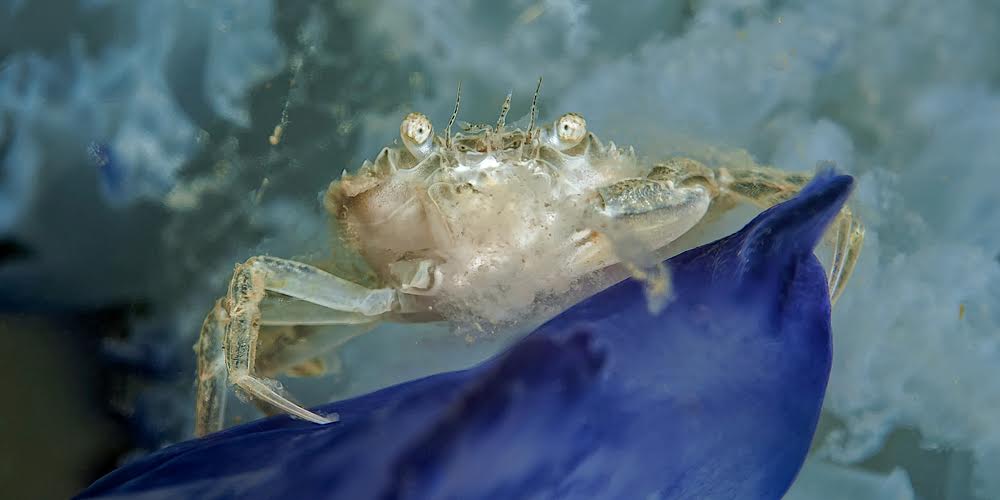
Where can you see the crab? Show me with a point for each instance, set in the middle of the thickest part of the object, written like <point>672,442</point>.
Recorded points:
<point>494,225</point>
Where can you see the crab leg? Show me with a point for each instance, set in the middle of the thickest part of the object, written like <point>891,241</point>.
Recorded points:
<point>765,187</point>
<point>850,237</point>
<point>229,336</point>
<point>291,337</point>
<point>210,403</point>
<point>841,229</point>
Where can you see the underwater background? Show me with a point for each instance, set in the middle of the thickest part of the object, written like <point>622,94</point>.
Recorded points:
<point>137,167</point>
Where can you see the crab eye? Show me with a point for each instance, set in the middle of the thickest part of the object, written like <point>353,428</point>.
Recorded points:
<point>417,133</point>
<point>570,129</point>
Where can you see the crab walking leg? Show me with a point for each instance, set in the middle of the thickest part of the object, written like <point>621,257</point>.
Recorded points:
<point>765,187</point>
<point>296,280</point>
<point>289,345</point>
<point>300,331</point>
<point>299,351</point>
<point>855,240</point>
<point>210,405</point>
<point>842,226</point>
<point>312,284</point>
<point>351,304</point>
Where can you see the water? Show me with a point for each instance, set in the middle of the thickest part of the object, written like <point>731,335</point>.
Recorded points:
<point>183,98</point>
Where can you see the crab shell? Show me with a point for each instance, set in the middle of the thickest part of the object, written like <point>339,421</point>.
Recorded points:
<point>508,216</point>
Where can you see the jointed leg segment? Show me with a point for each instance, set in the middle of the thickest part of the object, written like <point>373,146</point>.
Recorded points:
<point>765,187</point>
<point>850,236</point>
<point>229,336</point>
<point>210,405</point>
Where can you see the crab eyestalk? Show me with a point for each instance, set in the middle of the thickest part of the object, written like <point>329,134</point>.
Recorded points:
<point>567,131</point>
<point>417,134</point>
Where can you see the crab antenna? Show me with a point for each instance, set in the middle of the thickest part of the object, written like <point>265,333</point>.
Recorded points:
<point>534,109</point>
<point>454,114</point>
<point>503,112</point>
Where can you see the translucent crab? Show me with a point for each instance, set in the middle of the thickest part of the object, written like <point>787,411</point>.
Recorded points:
<point>491,226</point>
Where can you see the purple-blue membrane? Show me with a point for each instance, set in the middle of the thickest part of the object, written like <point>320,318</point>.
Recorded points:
<point>717,396</point>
